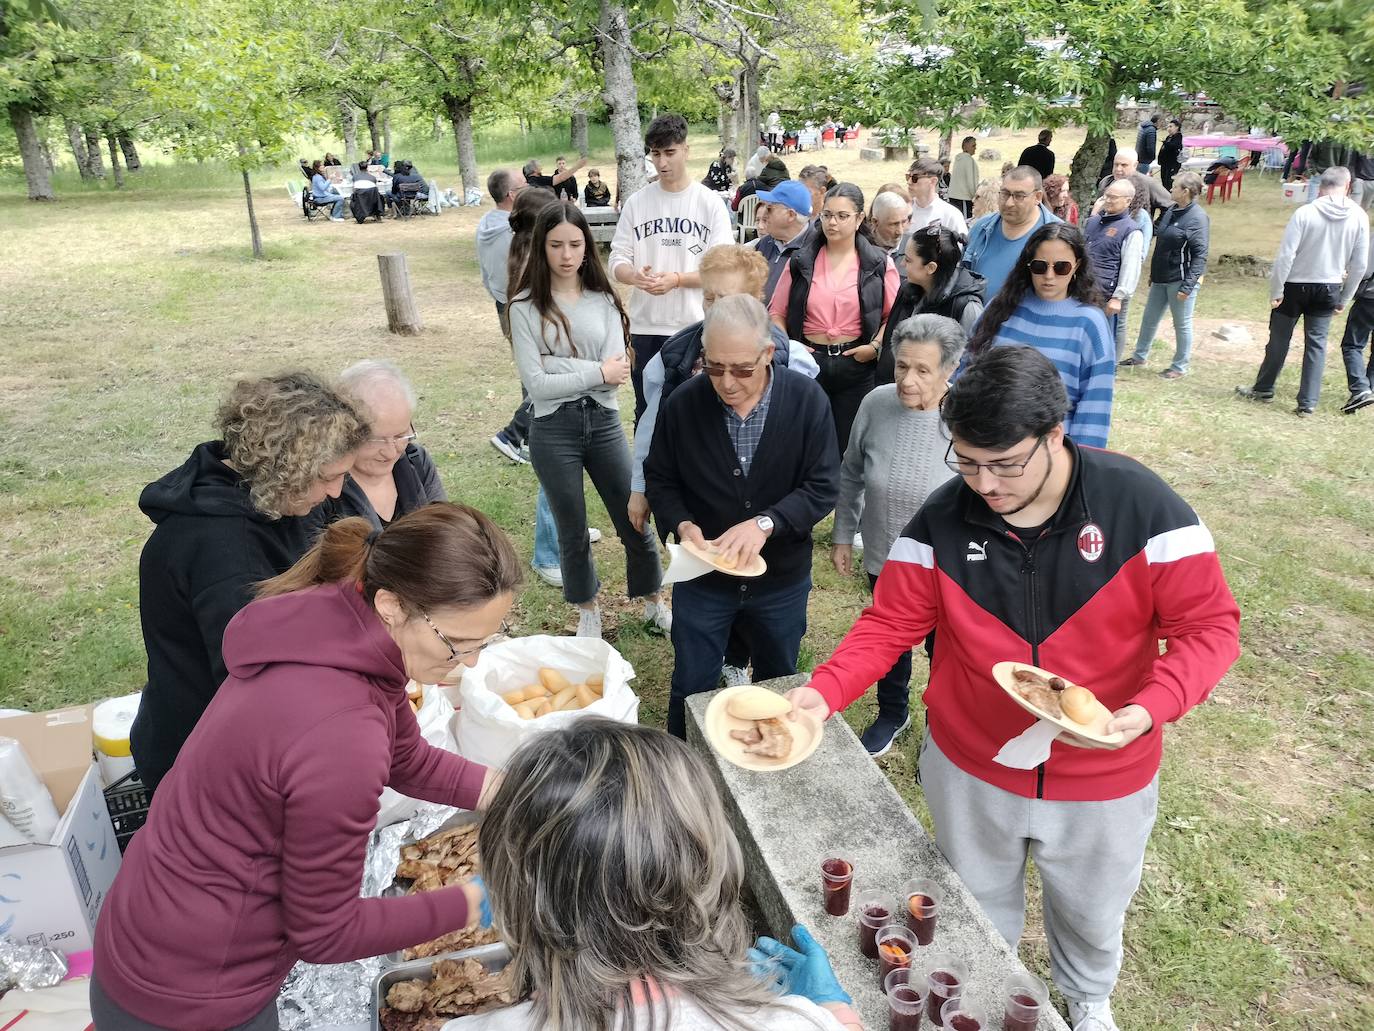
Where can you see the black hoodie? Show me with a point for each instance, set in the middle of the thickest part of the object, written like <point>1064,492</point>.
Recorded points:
<point>208,549</point>
<point>964,288</point>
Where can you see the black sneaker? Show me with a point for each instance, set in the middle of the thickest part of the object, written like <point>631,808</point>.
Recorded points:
<point>878,738</point>
<point>1251,394</point>
<point>1131,363</point>
<point>1363,399</point>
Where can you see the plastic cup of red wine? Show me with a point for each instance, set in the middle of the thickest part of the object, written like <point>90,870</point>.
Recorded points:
<point>874,910</point>
<point>1024,998</point>
<point>896,945</point>
<point>946,976</point>
<point>837,878</point>
<point>906,999</point>
<point>921,900</point>
<point>963,1014</point>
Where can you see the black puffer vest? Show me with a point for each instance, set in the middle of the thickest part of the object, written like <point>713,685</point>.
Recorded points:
<point>872,266</point>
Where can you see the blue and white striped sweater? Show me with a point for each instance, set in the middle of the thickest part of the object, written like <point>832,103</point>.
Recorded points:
<point>1074,336</point>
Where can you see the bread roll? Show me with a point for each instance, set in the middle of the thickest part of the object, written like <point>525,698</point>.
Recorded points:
<point>596,682</point>
<point>542,707</point>
<point>513,698</point>
<point>758,703</point>
<point>585,695</point>
<point>1079,704</point>
<point>555,681</point>
<point>524,710</point>
<point>562,698</point>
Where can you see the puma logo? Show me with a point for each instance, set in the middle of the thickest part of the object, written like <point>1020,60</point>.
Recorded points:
<point>977,552</point>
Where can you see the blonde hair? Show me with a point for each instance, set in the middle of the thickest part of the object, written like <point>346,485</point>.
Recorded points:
<point>280,432</point>
<point>733,260</point>
<point>985,198</point>
<point>611,864</point>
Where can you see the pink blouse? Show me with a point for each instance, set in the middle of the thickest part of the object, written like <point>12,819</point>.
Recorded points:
<point>832,306</point>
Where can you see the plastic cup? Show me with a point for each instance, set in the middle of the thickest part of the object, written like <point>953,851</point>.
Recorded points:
<point>874,910</point>
<point>896,946</point>
<point>963,1014</point>
<point>1024,998</point>
<point>906,998</point>
<point>837,878</point>
<point>946,976</point>
<point>921,900</point>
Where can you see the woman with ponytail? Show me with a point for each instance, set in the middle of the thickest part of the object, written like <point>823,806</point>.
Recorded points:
<point>252,856</point>
<point>835,296</point>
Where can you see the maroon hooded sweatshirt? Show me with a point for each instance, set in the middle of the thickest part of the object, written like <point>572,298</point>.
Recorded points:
<point>252,857</point>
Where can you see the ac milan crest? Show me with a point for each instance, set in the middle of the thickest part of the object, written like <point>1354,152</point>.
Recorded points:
<point>1091,542</point>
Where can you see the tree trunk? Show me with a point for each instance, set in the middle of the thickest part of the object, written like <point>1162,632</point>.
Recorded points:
<point>402,313</point>
<point>578,133</point>
<point>115,166</point>
<point>252,215</point>
<point>460,115</point>
<point>947,145</point>
<point>749,108</point>
<point>386,131</point>
<point>621,95</point>
<point>83,160</point>
<point>438,127</point>
<point>46,150</point>
<point>374,129</point>
<point>97,163</point>
<point>130,151</point>
<point>31,151</point>
<point>727,115</point>
<point>348,120</point>
<point>1087,162</point>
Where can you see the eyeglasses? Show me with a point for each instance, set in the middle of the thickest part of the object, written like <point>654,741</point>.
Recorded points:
<point>1039,267</point>
<point>1018,197</point>
<point>401,439</point>
<point>837,216</point>
<point>1002,470</point>
<point>455,654</point>
<point>737,371</point>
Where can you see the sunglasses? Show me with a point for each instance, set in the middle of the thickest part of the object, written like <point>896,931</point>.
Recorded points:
<point>1039,267</point>
<point>737,371</point>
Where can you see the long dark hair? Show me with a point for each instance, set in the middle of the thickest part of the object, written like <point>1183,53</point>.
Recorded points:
<point>944,247</point>
<point>855,196</point>
<point>536,278</point>
<point>528,203</point>
<point>1082,288</point>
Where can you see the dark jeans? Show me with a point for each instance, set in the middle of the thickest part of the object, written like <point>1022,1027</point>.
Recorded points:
<point>584,435</point>
<point>1315,304</point>
<point>1359,325</point>
<point>645,347</point>
<point>1166,175</point>
<point>965,206</point>
<point>894,689</point>
<point>846,382</point>
<point>107,1015</point>
<point>771,617</point>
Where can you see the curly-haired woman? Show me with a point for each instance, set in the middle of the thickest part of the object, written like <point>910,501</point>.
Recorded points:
<point>231,515</point>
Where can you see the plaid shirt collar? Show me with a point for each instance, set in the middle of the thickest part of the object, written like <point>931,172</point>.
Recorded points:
<point>746,433</point>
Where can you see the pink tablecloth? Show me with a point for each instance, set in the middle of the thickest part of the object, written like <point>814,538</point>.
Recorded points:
<point>1255,143</point>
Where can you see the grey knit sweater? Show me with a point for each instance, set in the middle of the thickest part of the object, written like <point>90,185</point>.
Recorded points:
<point>895,458</point>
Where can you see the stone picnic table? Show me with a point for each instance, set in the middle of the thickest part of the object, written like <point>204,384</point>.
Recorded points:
<point>838,800</point>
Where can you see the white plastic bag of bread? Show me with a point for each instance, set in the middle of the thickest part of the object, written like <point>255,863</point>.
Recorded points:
<point>435,716</point>
<point>527,685</point>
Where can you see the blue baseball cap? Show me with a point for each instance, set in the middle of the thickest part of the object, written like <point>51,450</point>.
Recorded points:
<point>790,194</point>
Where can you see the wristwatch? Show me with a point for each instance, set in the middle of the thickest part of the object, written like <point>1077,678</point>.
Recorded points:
<point>764,523</point>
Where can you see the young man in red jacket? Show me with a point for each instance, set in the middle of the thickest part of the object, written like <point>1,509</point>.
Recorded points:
<point>1075,560</point>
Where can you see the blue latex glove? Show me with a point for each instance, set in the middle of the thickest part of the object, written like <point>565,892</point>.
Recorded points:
<point>485,919</point>
<point>803,971</point>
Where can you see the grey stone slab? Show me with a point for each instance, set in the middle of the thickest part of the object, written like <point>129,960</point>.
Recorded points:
<point>839,799</point>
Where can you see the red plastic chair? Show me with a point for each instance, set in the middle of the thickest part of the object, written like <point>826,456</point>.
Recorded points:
<point>827,136</point>
<point>1222,182</point>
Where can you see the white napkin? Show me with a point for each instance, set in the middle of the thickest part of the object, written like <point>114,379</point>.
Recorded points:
<point>1030,748</point>
<point>684,566</point>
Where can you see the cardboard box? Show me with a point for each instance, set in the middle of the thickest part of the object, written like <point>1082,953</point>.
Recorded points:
<point>50,894</point>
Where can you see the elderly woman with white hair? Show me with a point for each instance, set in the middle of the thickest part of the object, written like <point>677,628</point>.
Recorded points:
<point>894,460</point>
<point>392,474</point>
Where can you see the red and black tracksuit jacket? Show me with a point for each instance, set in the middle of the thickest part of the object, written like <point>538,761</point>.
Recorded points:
<point>1124,564</point>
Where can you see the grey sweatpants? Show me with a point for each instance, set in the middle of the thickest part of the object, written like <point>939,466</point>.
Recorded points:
<point>1089,855</point>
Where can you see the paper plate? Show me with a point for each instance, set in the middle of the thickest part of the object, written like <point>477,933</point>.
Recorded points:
<point>806,735</point>
<point>755,568</point>
<point>1093,732</point>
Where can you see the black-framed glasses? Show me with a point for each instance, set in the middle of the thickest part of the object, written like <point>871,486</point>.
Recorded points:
<point>1018,197</point>
<point>1039,267</point>
<point>454,654</point>
<point>1002,470</point>
<point>738,371</point>
<point>400,439</point>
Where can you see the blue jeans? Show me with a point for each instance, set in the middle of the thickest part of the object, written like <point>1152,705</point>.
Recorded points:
<point>1118,322</point>
<point>1315,304</point>
<point>770,617</point>
<point>580,437</point>
<point>545,534</point>
<point>336,197</point>
<point>1164,295</point>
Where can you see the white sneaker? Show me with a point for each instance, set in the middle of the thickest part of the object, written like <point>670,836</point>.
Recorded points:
<point>1092,1016</point>
<point>735,676</point>
<point>658,614</point>
<point>858,542</point>
<point>551,575</point>
<point>589,622</point>
<point>593,534</point>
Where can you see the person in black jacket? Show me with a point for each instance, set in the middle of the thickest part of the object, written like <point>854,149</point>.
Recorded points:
<point>1039,156</point>
<point>391,473</point>
<point>743,462</point>
<point>232,515</point>
<point>1145,141</point>
<point>936,284</point>
<point>1170,153</point>
<point>595,194</point>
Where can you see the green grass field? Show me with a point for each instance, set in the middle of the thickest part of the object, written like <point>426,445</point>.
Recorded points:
<point>127,317</point>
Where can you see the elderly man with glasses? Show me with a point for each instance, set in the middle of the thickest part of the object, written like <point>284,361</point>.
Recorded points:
<point>743,463</point>
<point>1077,561</point>
<point>995,241</point>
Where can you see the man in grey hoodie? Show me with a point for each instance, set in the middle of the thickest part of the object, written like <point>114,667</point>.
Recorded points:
<point>493,250</point>
<point>1319,266</point>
